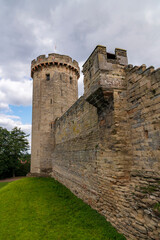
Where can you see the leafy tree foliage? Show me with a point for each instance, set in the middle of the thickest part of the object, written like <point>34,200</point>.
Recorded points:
<point>4,151</point>
<point>13,148</point>
<point>23,165</point>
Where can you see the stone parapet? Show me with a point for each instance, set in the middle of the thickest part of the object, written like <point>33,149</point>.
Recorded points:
<point>104,57</point>
<point>106,70</point>
<point>54,60</point>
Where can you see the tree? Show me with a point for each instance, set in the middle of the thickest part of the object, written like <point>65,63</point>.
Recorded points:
<point>4,151</point>
<point>18,147</point>
<point>23,165</point>
<point>13,146</point>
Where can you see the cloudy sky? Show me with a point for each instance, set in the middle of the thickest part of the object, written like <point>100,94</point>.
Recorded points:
<point>30,28</point>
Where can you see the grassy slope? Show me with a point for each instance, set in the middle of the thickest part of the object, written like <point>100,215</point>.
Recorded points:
<point>2,184</point>
<point>43,209</point>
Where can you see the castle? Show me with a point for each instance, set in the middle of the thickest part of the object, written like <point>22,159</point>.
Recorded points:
<point>104,146</point>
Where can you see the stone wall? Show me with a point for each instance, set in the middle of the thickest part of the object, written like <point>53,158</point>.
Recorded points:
<point>110,156</point>
<point>75,153</point>
<point>106,147</point>
<point>92,158</point>
<point>144,121</point>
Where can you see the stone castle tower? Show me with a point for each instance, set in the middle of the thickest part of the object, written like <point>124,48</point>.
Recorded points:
<point>54,91</point>
<point>104,146</point>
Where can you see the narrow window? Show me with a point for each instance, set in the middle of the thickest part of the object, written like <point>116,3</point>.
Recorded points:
<point>51,101</point>
<point>61,92</point>
<point>146,133</point>
<point>61,109</point>
<point>71,80</point>
<point>47,76</point>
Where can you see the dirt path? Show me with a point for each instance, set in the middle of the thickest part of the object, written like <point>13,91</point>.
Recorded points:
<point>11,179</point>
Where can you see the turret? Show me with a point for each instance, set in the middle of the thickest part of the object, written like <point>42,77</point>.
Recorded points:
<point>54,91</point>
<point>104,73</point>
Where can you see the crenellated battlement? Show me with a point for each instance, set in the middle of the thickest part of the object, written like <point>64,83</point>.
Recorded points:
<point>56,60</point>
<point>102,59</point>
<point>142,70</point>
<point>104,72</point>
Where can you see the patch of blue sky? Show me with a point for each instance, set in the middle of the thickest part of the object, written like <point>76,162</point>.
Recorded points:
<point>24,112</point>
<point>28,78</point>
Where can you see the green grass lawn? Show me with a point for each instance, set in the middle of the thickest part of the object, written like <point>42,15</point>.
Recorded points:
<point>2,184</point>
<point>43,209</point>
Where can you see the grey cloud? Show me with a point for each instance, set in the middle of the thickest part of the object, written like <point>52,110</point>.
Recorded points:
<point>30,28</point>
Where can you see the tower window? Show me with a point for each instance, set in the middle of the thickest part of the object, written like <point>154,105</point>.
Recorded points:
<point>48,77</point>
<point>51,100</point>
<point>71,80</point>
<point>52,125</point>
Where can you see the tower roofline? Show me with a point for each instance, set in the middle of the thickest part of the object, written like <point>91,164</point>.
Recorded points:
<point>54,59</point>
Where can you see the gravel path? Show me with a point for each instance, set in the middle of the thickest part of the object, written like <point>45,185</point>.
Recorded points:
<point>11,179</point>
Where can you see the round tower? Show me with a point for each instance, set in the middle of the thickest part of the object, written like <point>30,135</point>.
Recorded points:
<point>55,89</point>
